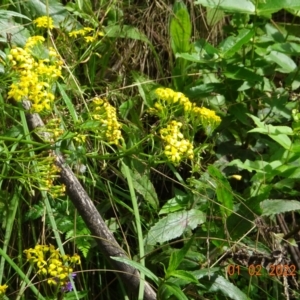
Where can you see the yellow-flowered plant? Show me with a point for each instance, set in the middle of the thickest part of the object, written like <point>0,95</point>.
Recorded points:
<point>106,114</point>
<point>3,289</point>
<point>89,34</point>
<point>44,22</point>
<point>48,172</point>
<point>176,147</point>
<point>171,105</point>
<point>51,264</point>
<point>34,78</point>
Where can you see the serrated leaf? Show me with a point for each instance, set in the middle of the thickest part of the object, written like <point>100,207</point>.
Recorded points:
<point>144,187</point>
<point>173,226</point>
<point>223,191</point>
<point>278,206</point>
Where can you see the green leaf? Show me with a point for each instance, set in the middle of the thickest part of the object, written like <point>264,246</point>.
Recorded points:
<point>126,31</point>
<point>180,30</point>
<point>8,13</point>
<point>220,284</point>
<point>277,133</point>
<point>168,289</point>
<point>223,191</point>
<point>144,187</point>
<point>213,16</point>
<point>234,43</point>
<point>173,226</point>
<point>16,31</point>
<point>137,266</point>
<point>125,108</point>
<point>184,275</point>
<point>240,6</point>
<point>278,206</point>
<point>287,48</point>
<point>55,9</point>
<point>268,7</point>
<point>236,72</point>
<point>287,65</point>
<point>177,257</point>
<point>179,202</point>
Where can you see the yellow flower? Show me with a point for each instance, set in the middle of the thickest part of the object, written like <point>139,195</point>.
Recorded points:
<point>89,39</point>
<point>3,289</point>
<point>45,22</point>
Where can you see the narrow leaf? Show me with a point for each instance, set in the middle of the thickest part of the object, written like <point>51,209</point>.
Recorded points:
<point>137,266</point>
<point>177,257</point>
<point>223,191</point>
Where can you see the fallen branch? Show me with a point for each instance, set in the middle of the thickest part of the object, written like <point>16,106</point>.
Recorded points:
<point>106,242</point>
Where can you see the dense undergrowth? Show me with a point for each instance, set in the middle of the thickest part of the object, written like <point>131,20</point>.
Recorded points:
<point>181,122</point>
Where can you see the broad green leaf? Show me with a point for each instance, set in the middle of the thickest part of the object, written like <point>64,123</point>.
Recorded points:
<point>236,72</point>
<point>184,275</point>
<point>8,13</point>
<point>173,226</point>
<point>90,125</point>
<point>223,191</point>
<point>287,65</point>
<point>277,133</point>
<point>278,206</point>
<point>126,31</point>
<point>179,202</point>
<point>268,7</point>
<point>234,43</point>
<point>145,188</point>
<point>213,16</point>
<point>287,48</point>
<point>177,257</point>
<point>259,166</point>
<point>240,6</point>
<point>220,284</point>
<point>180,30</point>
<point>270,129</point>
<point>15,31</point>
<point>137,266</point>
<point>194,57</point>
<point>55,9</point>
<point>125,108</point>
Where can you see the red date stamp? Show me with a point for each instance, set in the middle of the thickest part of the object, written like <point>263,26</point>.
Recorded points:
<point>256,270</point>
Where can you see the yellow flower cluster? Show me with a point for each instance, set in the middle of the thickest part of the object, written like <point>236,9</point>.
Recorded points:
<point>51,264</point>
<point>193,114</point>
<point>3,289</point>
<point>85,33</point>
<point>106,114</point>
<point>34,77</point>
<point>48,173</point>
<point>176,147</point>
<point>44,22</point>
<point>171,97</point>
<point>205,117</point>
